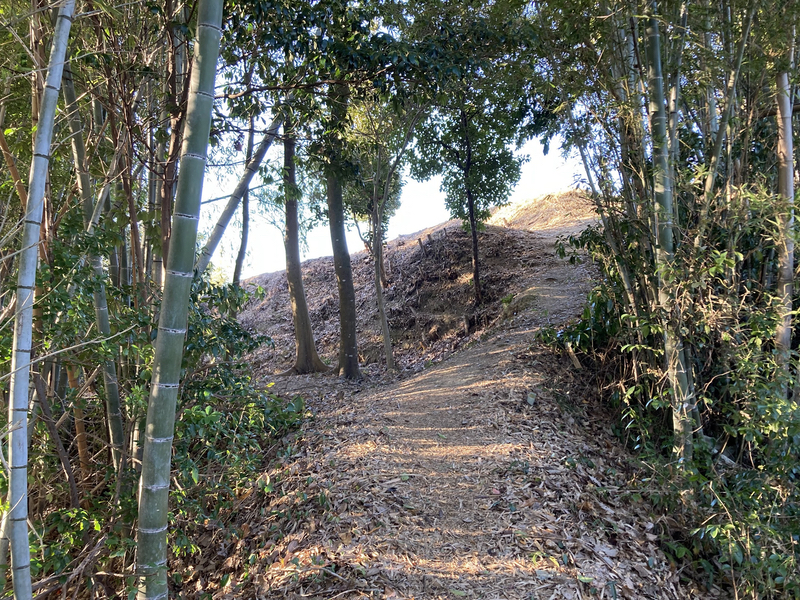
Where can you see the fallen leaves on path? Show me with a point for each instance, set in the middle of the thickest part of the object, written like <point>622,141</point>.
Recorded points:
<point>490,475</point>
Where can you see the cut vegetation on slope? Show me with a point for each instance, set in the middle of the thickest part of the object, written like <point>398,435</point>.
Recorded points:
<point>429,299</point>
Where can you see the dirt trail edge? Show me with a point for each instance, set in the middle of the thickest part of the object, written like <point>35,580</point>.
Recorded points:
<point>480,477</point>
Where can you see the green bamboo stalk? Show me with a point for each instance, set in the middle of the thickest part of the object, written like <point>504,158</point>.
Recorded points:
<point>716,153</point>
<point>116,430</point>
<point>23,321</point>
<point>662,184</point>
<point>151,535</point>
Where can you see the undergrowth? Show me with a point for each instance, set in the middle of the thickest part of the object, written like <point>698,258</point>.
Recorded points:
<point>226,425</point>
<point>732,513</point>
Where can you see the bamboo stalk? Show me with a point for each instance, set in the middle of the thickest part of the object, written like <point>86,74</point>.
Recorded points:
<point>662,185</point>
<point>110,383</point>
<point>23,323</point>
<point>151,534</point>
<point>733,78</point>
<point>785,151</point>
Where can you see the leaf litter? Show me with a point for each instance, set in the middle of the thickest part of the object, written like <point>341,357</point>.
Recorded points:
<point>492,474</point>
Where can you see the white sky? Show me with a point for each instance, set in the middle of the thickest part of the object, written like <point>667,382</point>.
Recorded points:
<point>422,205</point>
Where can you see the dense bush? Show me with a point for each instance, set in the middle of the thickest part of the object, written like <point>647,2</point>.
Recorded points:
<point>738,497</point>
<point>226,424</point>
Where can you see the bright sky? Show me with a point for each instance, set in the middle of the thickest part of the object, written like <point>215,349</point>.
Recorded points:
<point>422,206</point>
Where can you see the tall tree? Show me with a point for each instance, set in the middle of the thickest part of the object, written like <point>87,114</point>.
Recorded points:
<point>479,112</point>
<point>378,141</point>
<point>151,535</point>
<point>348,343</point>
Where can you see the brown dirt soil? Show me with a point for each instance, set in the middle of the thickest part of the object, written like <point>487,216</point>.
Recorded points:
<point>489,475</point>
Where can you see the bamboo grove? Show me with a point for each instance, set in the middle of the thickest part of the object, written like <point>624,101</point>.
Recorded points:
<point>115,346</point>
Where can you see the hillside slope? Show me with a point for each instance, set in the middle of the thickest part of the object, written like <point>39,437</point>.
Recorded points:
<point>429,299</point>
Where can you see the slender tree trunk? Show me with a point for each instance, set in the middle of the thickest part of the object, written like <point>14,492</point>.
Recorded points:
<point>47,413</point>
<point>377,255</point>
<point>158,251</point>
<point>622,268</point>
<point>152,169</point>
<point>233,203</point>
<point>306,359</point>
<point>783,335</point>
<point>23,322</point>
<point>80,428</point>
<point>716,153</point>
<point>348,344</point>
<point>473,228</point>
<point>674,356</point>
<point>674,101</point>
<point>135,260</point>
<point>175,84</point>
<point>240,256</point>
<point>473,221</point>
<point>380,196</point>
<point>151,536</point>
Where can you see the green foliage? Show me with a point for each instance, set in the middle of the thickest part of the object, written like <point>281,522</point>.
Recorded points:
<point>226,422</point>
<point>466,139</point>
<point>225,419</point>
<point>743,483</point>
<point>65,532</point>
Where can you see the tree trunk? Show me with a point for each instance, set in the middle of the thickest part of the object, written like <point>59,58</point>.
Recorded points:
<point>716,153</point>
<point>80,428</point>
<point>177,65</point>
<point>151,535</point>
<point>622,268</point>
<point>158,241</point>
<point>240,256</point>
<point>783,335</point>
<point>377,256</point>
<point>306,359</point>
<point>348,344</point>
<point>23,322</point>
<point>473,227</point>
<point>676,369</point>
<point>113,405</point>
<point>233,203</point>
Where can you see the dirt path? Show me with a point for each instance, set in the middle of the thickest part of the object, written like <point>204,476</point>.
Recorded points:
<point>471,480</point>
<point>480,477</point>
<point>484,476</point>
